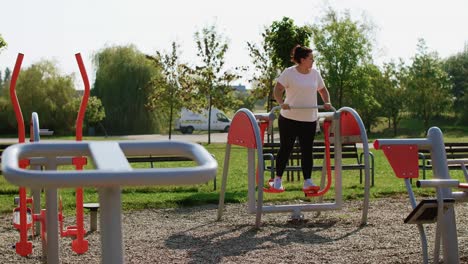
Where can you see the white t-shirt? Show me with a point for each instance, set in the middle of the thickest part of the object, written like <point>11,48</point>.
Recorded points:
<point>301,91</point>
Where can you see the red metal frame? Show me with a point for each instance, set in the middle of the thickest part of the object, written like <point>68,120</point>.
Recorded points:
<point>79,245</point>
<point>23,247</point>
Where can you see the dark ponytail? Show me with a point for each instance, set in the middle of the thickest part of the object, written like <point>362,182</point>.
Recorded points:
<point>299,52</point>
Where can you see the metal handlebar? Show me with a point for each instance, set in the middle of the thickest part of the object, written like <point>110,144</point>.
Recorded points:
<point>271,115</point>
<point>112,167</point>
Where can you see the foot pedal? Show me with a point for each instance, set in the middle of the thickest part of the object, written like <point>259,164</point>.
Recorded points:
<point>16,218</point>
<point>270,188</point>
<point>463,187</point>
<point>426,211</point>
<point>311,191</point>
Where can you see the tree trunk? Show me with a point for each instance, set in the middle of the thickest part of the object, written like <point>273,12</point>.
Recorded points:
<point>209,120</point>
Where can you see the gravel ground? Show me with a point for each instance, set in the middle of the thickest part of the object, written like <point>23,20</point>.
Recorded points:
<point>191,235</point>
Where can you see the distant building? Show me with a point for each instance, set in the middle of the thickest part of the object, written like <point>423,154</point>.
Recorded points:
<point>240,88</point>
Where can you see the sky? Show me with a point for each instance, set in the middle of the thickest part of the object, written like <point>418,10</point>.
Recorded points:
<point>56,29</point>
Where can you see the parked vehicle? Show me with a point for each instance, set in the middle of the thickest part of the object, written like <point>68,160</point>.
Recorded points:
<point>190,121</point>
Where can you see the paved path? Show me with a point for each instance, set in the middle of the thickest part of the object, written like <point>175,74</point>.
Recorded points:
<point>215,138</point>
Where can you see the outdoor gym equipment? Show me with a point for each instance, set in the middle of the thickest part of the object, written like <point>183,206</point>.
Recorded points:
<point>402,155</point>
<point>111,171</point>
<point>311,191</point>
<point>245,131</point>
<point>23,216</point>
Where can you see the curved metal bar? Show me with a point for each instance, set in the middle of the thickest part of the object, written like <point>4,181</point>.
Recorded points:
<point>84,101</point>
<point>80,245</point>
<point>35,128</point>
<point>365,147</point>
<point>205,171</point>
<point>14,98</point>
<point>24,247</point>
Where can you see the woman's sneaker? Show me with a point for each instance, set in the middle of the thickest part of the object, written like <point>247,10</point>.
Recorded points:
<point>309,186</point>
<point>278,183</point>
<point>275,186</point>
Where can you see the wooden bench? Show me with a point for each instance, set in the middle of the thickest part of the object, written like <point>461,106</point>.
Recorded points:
<point>351,159</point>
<point>454,150</point>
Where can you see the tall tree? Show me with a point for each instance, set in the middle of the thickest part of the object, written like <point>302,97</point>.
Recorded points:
<point>42,89</point>
<point>391,90</point>
<point>457,68</point>
<point>274,54</point>
<point>428,85</point>
<point>174,88</point>
<point>215,81</point>
<point>265,73</point>
<point>363,95</point>
<point>281,37</point>
<point>122,78</point>
<point>342,46</point>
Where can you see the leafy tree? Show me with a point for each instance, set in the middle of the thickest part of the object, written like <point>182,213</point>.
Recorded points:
<point>95,112</point>
<point>266,71</point>
<point>342,46</point>
<point>457,68</point>
<point>282,36</point>
<point>428,85</point>
<point>363,96</point>
<point>41,88</point>
<point>391,90</point>
<point>214,81</point>
<point>122,78</point>
<point>174,88</point>
<point>274,55</point>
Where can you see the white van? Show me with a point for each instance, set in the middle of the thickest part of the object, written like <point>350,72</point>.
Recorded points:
<point>190,121</point>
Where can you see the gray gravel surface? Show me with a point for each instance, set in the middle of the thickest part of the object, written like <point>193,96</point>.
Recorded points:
<point>191,235</point>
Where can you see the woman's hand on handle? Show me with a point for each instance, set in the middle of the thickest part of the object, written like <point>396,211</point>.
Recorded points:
<point>285,106</point>
<point>327,106</point>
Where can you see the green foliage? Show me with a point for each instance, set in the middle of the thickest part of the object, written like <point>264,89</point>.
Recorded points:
<point>95,112</point>
<point>391,93</point>
<point>214,83</point>
<point>173,89</point>
<point>41,88</point>
<point>428,85</point>
<point>282,36</point>
<point>122,78</point>
<point>266,71</point>
<point>246,98</point>
<point>364,95</point>
<point>342,47</point>
<point>456,67</point>
<point>3,43</point>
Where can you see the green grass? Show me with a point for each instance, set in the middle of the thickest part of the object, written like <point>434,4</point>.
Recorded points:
<point>136,198</point>
<point>413,127</point>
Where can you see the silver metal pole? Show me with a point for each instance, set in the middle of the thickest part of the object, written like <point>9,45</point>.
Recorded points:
<point>111,225</point>
<point>51,221</point>
<point>440,170</point>
<point>224,181</point>
<point>251,179</point>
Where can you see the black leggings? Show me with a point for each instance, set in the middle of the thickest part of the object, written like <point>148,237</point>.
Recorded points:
<point>289,131</point>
